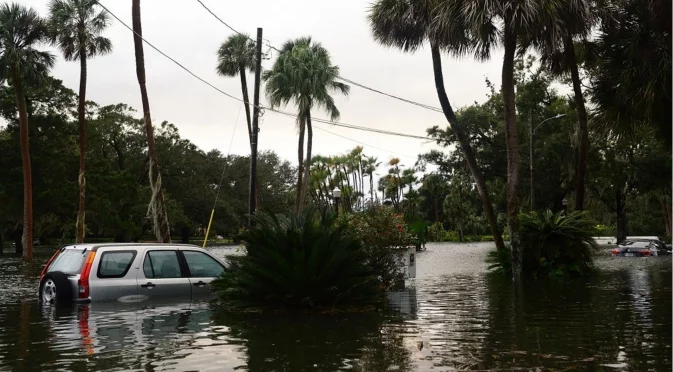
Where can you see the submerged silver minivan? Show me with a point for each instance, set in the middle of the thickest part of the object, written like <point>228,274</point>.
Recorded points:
<point>129,272</point>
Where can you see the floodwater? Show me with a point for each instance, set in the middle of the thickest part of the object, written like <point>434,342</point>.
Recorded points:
<point>451,317</point>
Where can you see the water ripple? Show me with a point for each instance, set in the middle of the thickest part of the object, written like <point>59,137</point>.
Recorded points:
<point>453,316</point>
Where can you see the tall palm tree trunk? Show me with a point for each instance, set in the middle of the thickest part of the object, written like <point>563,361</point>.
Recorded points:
<point>371,185</point>
<point>27,238</point>
<point>465,146</point>
<point>81,112</point>
<point>512,142</point>
<point>583,132</point>
<point>246,101</point>
<point>307,162</point>
<point>300,158</point>
<point>622,222</point>
<point>157,205</point>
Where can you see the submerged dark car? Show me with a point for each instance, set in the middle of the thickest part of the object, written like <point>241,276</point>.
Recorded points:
<point>641,248</point>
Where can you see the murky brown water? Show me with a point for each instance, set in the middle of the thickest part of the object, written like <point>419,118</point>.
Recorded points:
<point>451,317</point>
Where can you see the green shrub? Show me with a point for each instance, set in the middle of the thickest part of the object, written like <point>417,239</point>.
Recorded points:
<point>436,232</point>
<point>308,261</point>
<point>384,237</point>
<point>605,230</point>
<point>552,244</point>
<point>557,244</point>
<point>451,236</point>
<point>499,262</point>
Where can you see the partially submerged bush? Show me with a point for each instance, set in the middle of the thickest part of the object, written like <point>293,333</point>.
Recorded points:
<point>385,238</point>
<point>309,261</point>
<point>552,244</point>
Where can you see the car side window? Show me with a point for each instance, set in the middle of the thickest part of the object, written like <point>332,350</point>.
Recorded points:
<point>115,264</point>
<point>202,265</point>
<point>161,265</point>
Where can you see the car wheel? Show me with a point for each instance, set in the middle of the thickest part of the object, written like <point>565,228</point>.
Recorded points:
<point>55,288</point>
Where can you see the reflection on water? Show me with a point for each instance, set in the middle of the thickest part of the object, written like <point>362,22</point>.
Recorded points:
<point>452,316</point>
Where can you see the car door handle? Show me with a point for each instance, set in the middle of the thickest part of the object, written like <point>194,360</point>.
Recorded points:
<point>200,284</point>
<point>149,285</point>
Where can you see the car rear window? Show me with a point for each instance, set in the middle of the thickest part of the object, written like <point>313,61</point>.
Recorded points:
<point>69,261</point>
<point>637,245</point>
<point>115,264</point>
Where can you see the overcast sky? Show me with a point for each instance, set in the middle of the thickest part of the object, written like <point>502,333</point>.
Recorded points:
<point>188,33</point>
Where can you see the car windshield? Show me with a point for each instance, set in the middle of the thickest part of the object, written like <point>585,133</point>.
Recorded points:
<point>69,261</point>
<point>637,245</point>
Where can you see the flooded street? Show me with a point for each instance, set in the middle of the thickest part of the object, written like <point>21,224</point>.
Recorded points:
<point>452,316</point>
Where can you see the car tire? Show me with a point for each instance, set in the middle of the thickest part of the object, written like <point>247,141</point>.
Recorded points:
<point>55,288</point>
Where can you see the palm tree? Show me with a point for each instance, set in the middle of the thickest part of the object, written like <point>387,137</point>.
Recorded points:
<point>370,165</point>
<point>236,56</point>
<point>479,26</point>
<point>303,73</point>
<point>633,47</point>
<point>409,178</point>
<point>76,27</point>
<point>21,30</point>
<point>157,206</point>
<point>406,24</point>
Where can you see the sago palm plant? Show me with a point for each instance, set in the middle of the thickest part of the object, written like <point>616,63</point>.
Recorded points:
<point>307,261</point>
<point>557,243</point>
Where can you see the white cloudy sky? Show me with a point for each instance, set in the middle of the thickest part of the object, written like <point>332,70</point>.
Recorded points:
<point>188,33</point>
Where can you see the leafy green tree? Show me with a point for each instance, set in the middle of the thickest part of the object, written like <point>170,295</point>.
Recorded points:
<point>556,43</point>
<point>22,30</point>
<point>303,73</point>
<point>76,27</point>
<point>633,48</point>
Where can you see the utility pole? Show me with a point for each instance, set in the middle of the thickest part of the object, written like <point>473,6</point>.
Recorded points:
<point>255,127</point>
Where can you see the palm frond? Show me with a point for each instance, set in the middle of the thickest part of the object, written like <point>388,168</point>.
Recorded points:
<point>76,26</point>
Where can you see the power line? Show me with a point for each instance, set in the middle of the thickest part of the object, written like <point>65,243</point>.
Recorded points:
<point>427,107</point>
<point>218,18</point>
<point>365,144</point>
<point>262,108</point>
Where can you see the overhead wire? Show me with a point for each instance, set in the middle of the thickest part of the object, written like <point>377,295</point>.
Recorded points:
<point>261,107</point>
<point>427,107</point>
<point>219,185</point>
<point>365,144</point>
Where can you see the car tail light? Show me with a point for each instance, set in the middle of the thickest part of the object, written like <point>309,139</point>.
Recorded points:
<point>44,270</point>
<point>616,251</point>
<point>647,252</point>
<point>83,282</point>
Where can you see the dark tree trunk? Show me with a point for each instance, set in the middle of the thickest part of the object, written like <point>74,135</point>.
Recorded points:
<point>666,213</point>
<point>246,102</point>
<point>157,207</point>
<point>307,162</point>
<point>512,142</point>
<point>184,234</point>
<point>27,238</point>
<point>81,112</point>
<point>371,186</point>
<point>436,210</point>
<point>300,158</point>
<point>465,147</point>
<point>621,216</point>
<point>583,132</point>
